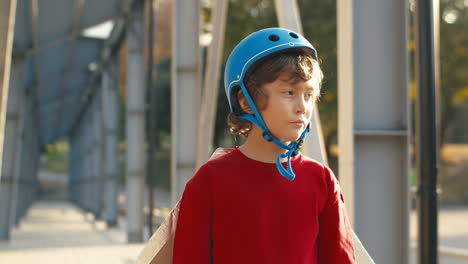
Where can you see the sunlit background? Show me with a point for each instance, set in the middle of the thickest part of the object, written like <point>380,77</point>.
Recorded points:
<point>88,240</point>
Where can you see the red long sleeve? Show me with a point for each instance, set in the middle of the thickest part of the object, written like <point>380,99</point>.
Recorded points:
<point>254,215</point>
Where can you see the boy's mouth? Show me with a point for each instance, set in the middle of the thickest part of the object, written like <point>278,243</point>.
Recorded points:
<point>298,123</point>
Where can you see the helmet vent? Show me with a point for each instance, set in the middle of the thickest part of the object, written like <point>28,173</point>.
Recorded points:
<point>273,37</point>
<point>294,35</point>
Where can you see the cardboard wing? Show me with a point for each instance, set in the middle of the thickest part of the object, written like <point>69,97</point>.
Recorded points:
<point>362,256</point>
<point>158,250</point>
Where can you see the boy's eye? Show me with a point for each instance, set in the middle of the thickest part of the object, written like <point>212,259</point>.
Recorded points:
<point>289,92</point>
<point>308,96</point>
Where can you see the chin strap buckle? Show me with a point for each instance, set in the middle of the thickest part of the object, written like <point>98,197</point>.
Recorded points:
<point>267,136</point>
<point>298,146</point>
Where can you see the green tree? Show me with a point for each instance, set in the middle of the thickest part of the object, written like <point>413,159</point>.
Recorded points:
<point>453,63</point>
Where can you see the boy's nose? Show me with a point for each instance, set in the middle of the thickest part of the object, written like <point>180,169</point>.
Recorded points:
<point>301,104</point>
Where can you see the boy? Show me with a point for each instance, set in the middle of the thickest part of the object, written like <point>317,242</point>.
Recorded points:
<point>264,202</point>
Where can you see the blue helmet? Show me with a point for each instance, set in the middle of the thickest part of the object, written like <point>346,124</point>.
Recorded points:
<point>251,49</point>
<point>257,46</point>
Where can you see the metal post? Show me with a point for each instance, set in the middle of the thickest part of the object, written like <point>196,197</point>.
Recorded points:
<point>21,148</point>
<point>98,171</point>
<point>111,116</point>
<point>77,163</point>
<point>102,158</point>
<point>86,166</point>
<point>10,147</point>
<point>288,17</point>
<point>25,177</point>
<point>72,161</point>
<point>74,165</point>
<point>82,171</point>
<point>82,164</point>
<point>373,118</point>
<point>135,127</point>
<point>20,159</point>
<point>18,186</point>
<point>34,176</point>
<point>211,82</point>
<point>82,175</point>
<point>426,140</point>
<point>186,79</point>
<point>151,111</point>
<point>27,172</point>
<point>88,177</point>
<point>90,188</point>
<point>36,164</point>
<point>7,23</point>
<point>94,158</point>
<point>26,182</point>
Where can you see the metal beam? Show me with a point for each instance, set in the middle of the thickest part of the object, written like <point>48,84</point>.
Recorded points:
<point>186,81</point>
<point>135,127</point>
<point>209,99</point>
<point>288,17</point>
<point>373,120</point>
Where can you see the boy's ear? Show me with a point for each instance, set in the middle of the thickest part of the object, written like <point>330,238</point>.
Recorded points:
<point>244,105</point>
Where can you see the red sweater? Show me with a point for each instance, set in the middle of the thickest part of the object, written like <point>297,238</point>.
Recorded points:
<point>255,215</point>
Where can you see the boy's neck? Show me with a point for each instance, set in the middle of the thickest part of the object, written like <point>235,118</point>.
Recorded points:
<point>257,148</point>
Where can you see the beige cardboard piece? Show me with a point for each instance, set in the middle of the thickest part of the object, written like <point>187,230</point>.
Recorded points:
<point>158,250</point>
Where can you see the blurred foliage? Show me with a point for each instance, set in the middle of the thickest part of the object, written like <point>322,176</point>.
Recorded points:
<point>452,174</point>
<point>56,157</point>
<point>453,67</point>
